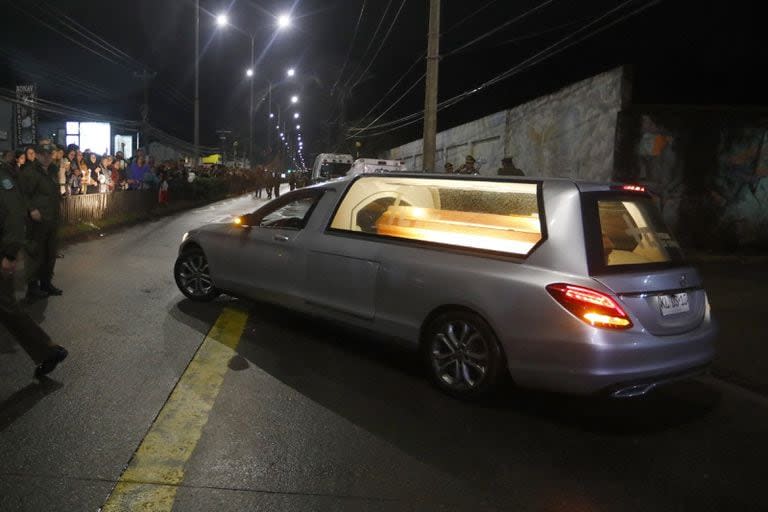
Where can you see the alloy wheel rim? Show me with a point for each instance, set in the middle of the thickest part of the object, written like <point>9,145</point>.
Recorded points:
<point>460,355</point>
<point>194,275</point>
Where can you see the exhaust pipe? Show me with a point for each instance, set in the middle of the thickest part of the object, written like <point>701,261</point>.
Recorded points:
<point>633,391</point>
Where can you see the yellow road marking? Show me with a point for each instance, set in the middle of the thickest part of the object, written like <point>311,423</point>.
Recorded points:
<point>157,468</point>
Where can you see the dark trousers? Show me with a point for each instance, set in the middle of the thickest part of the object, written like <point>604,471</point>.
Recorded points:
<point>44,246</point>
<point>29,335</point>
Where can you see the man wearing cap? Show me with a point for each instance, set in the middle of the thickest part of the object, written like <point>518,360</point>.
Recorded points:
<point>508,168</point>
<point>29,335</point>
<point>448,168</point>
<point>41,191</point>
<point>468,167</point>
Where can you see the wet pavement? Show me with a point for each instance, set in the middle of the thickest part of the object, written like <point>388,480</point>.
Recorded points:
<point>293,413</point>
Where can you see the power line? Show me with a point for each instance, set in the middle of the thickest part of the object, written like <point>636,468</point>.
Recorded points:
<point>531,61</point>
<point>381,45</point>
<point>351,45</point>
<point>500,27</point>
<point>474,41</point>
<point>370,44</point>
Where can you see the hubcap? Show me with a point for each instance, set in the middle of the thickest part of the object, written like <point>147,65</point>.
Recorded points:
<point>194,276</point>
<point>459,355</point>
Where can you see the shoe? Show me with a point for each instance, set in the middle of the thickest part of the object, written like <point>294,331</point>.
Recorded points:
<point>34,292</point>
<point>50,364</point>
<point>52,290</point>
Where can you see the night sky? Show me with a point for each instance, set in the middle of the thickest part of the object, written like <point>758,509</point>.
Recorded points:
<point>683,52</point>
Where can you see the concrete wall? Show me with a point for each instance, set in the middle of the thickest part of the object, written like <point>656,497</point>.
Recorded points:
<point>569,133</point>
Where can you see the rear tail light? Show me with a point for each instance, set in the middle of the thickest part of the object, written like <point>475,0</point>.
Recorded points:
<point>590,306</point>
<point>630,188</point>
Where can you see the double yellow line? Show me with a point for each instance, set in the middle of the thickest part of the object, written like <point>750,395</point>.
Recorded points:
<point>157,468</point>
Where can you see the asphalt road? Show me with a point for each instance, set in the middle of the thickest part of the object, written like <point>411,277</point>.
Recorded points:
<point>304,415</point>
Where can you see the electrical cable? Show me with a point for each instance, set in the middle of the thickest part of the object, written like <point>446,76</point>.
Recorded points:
<point>531,61</point>
<point>351,46</point>
<point>381,45</point>
<point>475,41</point>
<point>370,45</point>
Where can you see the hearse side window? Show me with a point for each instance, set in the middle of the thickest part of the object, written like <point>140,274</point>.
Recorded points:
<point>494,216</point>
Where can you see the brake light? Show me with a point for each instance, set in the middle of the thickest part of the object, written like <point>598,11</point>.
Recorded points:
<point>590,306</point>
<point>630,188</point>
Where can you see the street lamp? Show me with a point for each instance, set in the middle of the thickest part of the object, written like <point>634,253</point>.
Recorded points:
<point>298,127</point>
<point>294,99</point>
<point>222,20</point>
<point>290,72</point>
<point>271,115</point>
<point>296,115</point>
<point>249,72</point>
<point>284,21</point>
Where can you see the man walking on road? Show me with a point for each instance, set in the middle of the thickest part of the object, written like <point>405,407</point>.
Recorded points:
<point>41,191</point>
<point>29,335</point>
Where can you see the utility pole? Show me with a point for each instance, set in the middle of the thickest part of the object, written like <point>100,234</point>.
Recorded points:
<point>250,115</point>
<point>197,84</point>
<point>270,119</point>
<point>145,78</point>
<point>430,96</point>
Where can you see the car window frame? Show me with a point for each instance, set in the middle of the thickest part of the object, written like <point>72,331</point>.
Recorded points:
<point>593,237</point>
<point>283,201</point>
<point>456,249</point>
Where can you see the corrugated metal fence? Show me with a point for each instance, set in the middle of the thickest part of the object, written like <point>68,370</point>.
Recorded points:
<point>95,207</point>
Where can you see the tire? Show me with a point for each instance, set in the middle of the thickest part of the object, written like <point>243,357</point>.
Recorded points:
<point>463,355</point>
<point>193,277</point>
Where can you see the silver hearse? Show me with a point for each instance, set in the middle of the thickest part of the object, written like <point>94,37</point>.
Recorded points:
<point>566,286</point>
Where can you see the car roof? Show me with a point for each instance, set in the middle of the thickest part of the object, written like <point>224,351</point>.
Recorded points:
<point>582,185</point>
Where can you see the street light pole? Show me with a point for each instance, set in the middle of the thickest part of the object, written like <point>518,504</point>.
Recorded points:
<point>250,116</point>
<point>430,96</point>
<point>197,82</point>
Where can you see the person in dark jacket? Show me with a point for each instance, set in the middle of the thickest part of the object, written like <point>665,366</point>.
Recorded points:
<point>41,193</point>
<point>29,335</point>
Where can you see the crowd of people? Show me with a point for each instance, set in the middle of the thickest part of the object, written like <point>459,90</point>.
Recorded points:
<point>79,172</point>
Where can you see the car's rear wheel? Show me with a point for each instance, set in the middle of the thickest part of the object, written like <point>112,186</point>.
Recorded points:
<point>463,354</point>
<point>193,276</point>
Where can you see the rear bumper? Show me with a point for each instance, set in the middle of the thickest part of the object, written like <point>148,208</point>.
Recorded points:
<point>612,361</point>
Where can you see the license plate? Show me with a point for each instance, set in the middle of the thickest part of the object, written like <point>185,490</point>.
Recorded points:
<point>674,304</point>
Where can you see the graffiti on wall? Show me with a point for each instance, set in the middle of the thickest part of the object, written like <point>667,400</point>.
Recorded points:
<point>741,184</point>
<point>708,171</point>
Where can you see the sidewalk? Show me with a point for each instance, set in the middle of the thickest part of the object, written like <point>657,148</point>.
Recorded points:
<point>737,292</point>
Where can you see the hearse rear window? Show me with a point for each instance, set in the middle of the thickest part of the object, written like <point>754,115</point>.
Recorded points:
<point>633,233</point>
<point>495,216</point>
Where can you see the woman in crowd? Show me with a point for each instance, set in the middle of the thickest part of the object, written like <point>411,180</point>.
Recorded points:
<point>106,183</point>
<point>92,176</point>
<point>20,158</point>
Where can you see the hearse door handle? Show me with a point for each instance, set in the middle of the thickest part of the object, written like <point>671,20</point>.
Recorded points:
<point>280,238</point>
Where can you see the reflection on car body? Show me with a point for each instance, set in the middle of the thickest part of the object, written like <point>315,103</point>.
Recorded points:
<point>566,286</point>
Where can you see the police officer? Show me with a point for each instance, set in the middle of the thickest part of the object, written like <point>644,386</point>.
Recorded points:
<point>30,336</point>
<point>39,185</point>
<point>468,167</point>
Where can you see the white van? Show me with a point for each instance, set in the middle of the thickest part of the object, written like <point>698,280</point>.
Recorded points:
<point>330,165</point>
<point>373,165</point>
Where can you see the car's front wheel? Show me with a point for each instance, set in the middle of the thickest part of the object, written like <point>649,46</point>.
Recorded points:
<point>193,276</point>
<point>463,355</point>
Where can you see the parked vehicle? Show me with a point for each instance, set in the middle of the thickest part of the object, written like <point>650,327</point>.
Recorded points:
<point>373,165</point>
<point>567,286</point>
<point>329,166</point>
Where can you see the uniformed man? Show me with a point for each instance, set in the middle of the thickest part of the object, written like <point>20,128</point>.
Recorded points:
<point>30,336</point>
<point>41,192</point>
<point>448,168</point>
<point>468,167</point>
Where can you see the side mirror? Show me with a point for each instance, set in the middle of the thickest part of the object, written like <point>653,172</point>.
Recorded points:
<point>244,221</point>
